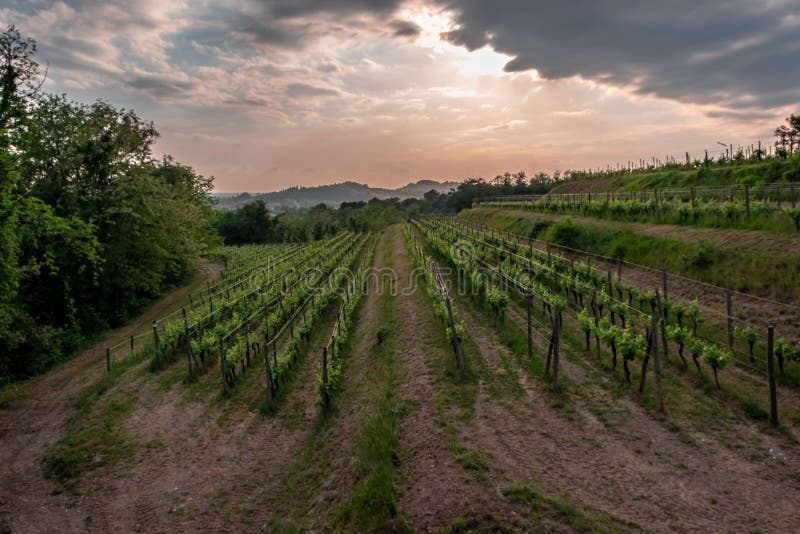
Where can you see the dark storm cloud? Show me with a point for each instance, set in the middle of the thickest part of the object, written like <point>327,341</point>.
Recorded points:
<point>159,86</point>
<point>299,8</point>
<point>738,53</point>
<point>404,28</point>
<point>302,90</point>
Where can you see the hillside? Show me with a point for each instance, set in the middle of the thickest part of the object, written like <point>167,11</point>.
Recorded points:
<point>332,195</point>
<point>684,177</point>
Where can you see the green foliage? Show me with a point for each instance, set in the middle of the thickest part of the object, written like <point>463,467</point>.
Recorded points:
<point>91,225</point>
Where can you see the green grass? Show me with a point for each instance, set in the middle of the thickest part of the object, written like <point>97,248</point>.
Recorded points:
<point>539,506</point>
<point>94,437</point>
<point>372,506</point>
<point>743,268</point>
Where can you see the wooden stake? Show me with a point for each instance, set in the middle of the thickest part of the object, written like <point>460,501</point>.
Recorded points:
<point>556,339</point>
<point>657,365</point>
<point>325,376</point>
<point>155,339</point>
<point>529,302</point>
<point>773,392</point>
<point>729,310</point>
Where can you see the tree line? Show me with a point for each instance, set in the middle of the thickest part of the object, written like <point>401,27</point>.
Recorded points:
<point>92,225</point>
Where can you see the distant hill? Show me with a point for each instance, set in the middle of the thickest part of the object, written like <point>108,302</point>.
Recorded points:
<point>332,195</point>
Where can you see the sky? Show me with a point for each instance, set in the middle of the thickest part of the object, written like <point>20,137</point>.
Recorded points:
<point>266,94</point>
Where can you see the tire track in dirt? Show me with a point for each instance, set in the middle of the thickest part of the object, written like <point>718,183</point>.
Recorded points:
<point>29,425</point>
<point>637,471</point>
<point>435,490</point>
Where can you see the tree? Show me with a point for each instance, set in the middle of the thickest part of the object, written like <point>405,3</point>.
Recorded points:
<point>20,77</point>
<point>249,224</point>
<point>788,137</point>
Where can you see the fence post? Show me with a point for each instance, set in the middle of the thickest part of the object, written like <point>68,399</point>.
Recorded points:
<point>728,309</point>
<point>108,360</point>
<point>222,361</point>
<point>456,346</point>
<point>131,344</point>
<point>325,376</point>
<point>155,339</point>
<point>747,200</point>
<point>773,393</point>
<point>267,370</point>
<point>556,337</point>
<point>657,364</point>
<point>529,302</point>
<point>189,353</point>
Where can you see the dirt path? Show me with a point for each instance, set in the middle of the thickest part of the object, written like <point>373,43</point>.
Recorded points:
<point>435,489</point>
<point>38,418</point>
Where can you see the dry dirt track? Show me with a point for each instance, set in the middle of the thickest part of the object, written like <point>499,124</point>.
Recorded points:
<point>29,502</point>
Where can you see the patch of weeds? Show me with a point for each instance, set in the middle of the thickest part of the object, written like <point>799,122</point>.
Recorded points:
<point>555,508</point>
<point>98,442</point>
<point>753,410</point>
<point>470,459</point>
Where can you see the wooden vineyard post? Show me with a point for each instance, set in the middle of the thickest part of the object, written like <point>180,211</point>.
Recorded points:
<point>729,310</point>
<point>267,370</point>
<point>556,337</point>
<point>222,361</point>
<point>773,392</point>
<point>189,354</point>
<point>657,364</point>
<point>747,200</point>
<point>651,341</point>
<point>619,269</point>
<point>456,346</point>
<point>131,344</point>
<point>274,350</point>
<point>155,340</point>
<point>325,376</point>
<point>529,302</point>
<point>108,360</point>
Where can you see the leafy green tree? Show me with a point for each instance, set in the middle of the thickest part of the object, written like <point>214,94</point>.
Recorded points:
<point>249,224</point>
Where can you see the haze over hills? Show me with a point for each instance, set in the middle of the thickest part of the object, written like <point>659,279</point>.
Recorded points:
<point>332,195</point>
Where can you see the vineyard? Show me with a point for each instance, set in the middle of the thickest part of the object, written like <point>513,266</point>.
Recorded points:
<point>395,380</point>
<point>630,321</point>
<point>772,207</point>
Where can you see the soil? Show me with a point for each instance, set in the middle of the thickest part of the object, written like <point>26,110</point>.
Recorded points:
<point>633,468</point>
<point>206,462</point>
<point>435,489</point>
<point>28,501</point>
<point>200,464</point>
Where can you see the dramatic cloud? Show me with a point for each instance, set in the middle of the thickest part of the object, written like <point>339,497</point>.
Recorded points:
<point>737,53</point>
<point>266,94</point>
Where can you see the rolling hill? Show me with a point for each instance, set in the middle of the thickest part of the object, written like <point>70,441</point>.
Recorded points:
<point>333,195</point>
